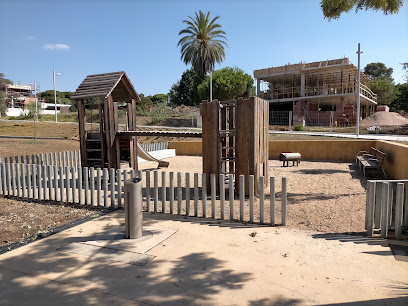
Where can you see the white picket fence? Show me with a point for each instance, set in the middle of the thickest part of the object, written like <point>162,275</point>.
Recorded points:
<point>58,159</point>
<point>386,207</point>
<point>100,187</point>
<point>156,146</point>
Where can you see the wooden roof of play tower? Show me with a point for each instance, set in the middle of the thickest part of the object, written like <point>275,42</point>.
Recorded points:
<point>114,84</point>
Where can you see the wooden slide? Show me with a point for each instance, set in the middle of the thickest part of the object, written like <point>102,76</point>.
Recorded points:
<point>146,156</point>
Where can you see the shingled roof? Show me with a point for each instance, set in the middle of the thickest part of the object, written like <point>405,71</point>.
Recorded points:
<point>115,84</point>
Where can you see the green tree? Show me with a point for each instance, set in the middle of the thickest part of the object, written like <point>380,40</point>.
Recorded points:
<point>385,90</point>
<point>382,83</point>
<point>31,109</point>
<point>332,9</point>
<point>185,91</point>
<point>3,106</point>
<point>3,83</point>
<point>228,83</point>
<point>400,103</point>
<point>376,70</point>
<point>203,42</point>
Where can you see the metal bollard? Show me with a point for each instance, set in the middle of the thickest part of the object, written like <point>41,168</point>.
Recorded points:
<point>133,209</point>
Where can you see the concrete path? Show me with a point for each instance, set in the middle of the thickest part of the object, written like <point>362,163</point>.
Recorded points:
<point>347,135</point>
<point>204,262</point>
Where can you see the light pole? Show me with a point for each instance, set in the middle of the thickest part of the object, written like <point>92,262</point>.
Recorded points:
<point>35,117</point>
<point>55,94</point>
<point>358,93</point>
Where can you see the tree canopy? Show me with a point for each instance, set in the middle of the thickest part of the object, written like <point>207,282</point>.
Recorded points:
<point>332,9</point>
<point>185,91</point>
<point>203,42</point>
<point>382,82</point>
<point>375,70</point>
<point>228,83</point>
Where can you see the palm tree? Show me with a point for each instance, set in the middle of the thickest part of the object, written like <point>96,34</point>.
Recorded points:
<point>203,42</point>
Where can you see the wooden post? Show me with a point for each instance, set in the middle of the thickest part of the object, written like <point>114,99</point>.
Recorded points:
<point>82,133</point>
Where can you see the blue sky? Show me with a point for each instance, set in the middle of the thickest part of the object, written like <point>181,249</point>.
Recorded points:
<point>78,38</point>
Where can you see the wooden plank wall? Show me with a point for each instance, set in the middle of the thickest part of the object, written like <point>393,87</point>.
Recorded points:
<point>252,140</point>
<point>210,143</point>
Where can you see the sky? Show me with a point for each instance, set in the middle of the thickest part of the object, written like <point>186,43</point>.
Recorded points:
<point>82,37</point>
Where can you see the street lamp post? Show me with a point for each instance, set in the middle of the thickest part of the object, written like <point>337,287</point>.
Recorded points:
<point>55,94</point>
<point>35,117</point>
<point>210,85</point>
<point>358,93</point>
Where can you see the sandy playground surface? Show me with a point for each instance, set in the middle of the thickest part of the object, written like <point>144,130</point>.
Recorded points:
<point>322,196</point>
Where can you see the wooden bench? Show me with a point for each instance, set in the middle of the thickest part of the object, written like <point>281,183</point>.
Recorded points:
<point>286,157</point>
<point>371,160</point>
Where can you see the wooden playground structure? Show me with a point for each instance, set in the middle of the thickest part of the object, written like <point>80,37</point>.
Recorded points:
<point>235,139</point>
<point>235,133</point>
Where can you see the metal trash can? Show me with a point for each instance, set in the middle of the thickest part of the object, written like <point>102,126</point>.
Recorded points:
<point>133,209</point>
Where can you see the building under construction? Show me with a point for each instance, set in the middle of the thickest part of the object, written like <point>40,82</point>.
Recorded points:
<point>318,93</point>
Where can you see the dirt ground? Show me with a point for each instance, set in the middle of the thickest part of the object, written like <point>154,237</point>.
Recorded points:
<point>21,220</point>
<point>322,196</point>
<point>18,147</point>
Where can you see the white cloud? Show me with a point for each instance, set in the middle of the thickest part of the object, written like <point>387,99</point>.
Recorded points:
<point>31,37</point>
<point>63,47</point>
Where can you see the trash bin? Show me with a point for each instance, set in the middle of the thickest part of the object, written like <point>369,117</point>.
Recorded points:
<point>133,209</point>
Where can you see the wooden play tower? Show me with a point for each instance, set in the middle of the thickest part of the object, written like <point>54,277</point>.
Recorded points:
<point>235,139</point>
<point>106,94</point>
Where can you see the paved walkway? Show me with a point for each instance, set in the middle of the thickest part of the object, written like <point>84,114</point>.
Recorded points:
<point>203,262</point>
<point>347,135</point>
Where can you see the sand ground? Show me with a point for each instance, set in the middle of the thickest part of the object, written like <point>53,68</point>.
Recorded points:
<point>322,196</point>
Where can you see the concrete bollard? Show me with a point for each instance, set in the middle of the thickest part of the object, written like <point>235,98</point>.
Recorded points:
<point>133,209</point>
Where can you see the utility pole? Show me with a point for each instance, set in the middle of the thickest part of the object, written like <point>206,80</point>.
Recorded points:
<point>358,93</point>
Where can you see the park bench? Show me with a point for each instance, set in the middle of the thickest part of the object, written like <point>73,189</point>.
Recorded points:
<point>372,160</point>
<point>286,157</point>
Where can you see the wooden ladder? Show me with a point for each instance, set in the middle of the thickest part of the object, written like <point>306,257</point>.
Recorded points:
<point>226,138</point>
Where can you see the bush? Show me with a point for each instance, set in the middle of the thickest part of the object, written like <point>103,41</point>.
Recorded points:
<point>158,113</point>
<point>298,127</point>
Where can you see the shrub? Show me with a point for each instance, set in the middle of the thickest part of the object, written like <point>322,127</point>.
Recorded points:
<point>298,127</point>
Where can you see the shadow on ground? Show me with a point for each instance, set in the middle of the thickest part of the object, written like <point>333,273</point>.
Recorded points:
<point>191,277</point>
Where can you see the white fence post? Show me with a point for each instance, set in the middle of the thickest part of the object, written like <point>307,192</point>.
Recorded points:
<point>284,200</point>
<point>39,183</point>
<point>50,171</point>
<point>98,187</point>
<point>105,187</point>
<point>171,179</point>
<point>187,194</point>
<point>262,199</point>
<point>251,199</point>
<point>222,195</point>
<point>384,203</point>
<point>67,184</point>
<point>155,191</point>
<point>92,186</point>
<point>61,183</point>
<point>18,179</point>
<point>148,190</point>
<point>179,193</point>
<point>213,196</point>
<point>370,209</point>
<point>272,201</point>
<point>204,194</point>
<point>112,187</point>
<point>74,185</point>
<point>399,206</point>
<point>196,196</point>
<point>231,196</point>
<point>163,210</point>
<point>241,197</point>
<point>29,180</point>
<point>119,184</point>
<point>35,188</point>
